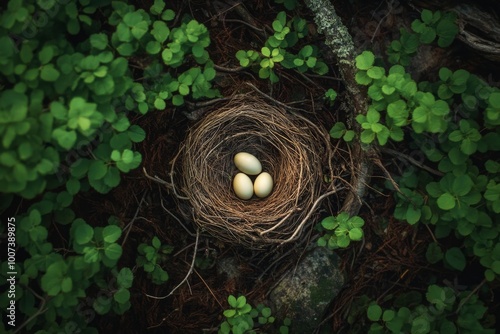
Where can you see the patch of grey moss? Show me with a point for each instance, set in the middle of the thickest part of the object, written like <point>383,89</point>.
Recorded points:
<point>305,292</point>
<point>337,36</point>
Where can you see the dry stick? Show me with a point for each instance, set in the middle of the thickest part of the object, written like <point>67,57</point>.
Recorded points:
<point>188,273</point>
<point>229,69</point>
<point>36,314</point>
<point>432,234</point>
<point>411,160</point>
<point>284,105</point>
<point>302,223</point>
<point>386,172</point>
<point>175,217</point>
<point>341,45</point>
<point>131,223</point>
<point>466,299</point>
<point>210,290</point>
<point>169,185</point>
<point>389,10</point>
<point>240,9</point>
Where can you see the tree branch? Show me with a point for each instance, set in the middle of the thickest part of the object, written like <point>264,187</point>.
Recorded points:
<point>341,46</point>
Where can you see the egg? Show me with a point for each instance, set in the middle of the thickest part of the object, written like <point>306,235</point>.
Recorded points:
<point>243,186</point>
<point>247,163</point>
<point>263,185</point>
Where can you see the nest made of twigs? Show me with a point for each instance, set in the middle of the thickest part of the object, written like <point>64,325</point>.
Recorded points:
<point>294,150</point>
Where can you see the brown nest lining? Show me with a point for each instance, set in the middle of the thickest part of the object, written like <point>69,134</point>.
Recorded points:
<point>295,151</point>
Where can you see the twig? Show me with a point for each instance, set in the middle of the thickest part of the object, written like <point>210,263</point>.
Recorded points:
<point>389,10</point>
<point>245,15</point>
<point>272,99</point>
<point>432,234</point>
<point>466,299</point>
<point>306,218</point>
<point>210,290</point>
<point>155,178</point>
<point>245,23</point>
<point>175,217</point>
<point>324,77</point>
<point>208,102</point>
<point>36,314</point>
<point>228,69</point>
<point>169,185</point>
<point>386,172</point>
<point>411,160</point>
<point>131,223</point>
<point>188,273</point>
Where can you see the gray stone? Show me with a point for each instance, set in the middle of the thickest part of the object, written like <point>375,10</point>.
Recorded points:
<point>305,292</point>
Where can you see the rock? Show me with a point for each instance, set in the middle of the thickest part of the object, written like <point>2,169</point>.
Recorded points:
<point>306,291</point>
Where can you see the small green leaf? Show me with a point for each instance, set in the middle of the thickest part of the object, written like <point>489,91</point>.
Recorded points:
<point>49,73</point>
<point>356,234</point>
<point>434,254</point>
<point>97,170</point>
<point>73,186</point>
<point>122,296</point>
<point>113,251</point>
<point>446,201</point>
<point>125,278</point>
<point>156,242</point>
<point>229,313</point>
<point>365,60</point>
<point>83,233</point>
<point>362,78</point>
<point>67,285</point>
<point>168,15</point>
<point>99,41</point>
<point>231,300</point>
<point>374,312</point>
<point>455,258</point>
<point>376,72</point>
<point>46,54</point>
<point>66,139</point>
<point>329,223</point>
<point>153,47</point>
<point>111,233</point>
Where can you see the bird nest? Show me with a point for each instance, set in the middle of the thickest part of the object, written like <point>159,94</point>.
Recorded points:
<point>295,151</point>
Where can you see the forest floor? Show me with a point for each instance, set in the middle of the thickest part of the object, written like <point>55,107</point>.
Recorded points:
<point>390,260</point>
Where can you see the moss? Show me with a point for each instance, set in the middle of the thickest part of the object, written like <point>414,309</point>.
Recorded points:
<point>337,36</point>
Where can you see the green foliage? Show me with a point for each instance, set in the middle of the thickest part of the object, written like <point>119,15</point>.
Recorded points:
<point>151,257</point>
<point>463,200</point>
<point>66,111</point>
<point>240,317</point>
<point>445,311</point>
<point>330,95</point>
<point>339,130</point>
<point>434,25</point>
<point>425,31</point>
<point>289,4</point>
<point>344,230</point>
<point>277,50</point>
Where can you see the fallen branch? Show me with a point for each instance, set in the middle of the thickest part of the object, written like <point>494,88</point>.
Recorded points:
<point>341,46</point>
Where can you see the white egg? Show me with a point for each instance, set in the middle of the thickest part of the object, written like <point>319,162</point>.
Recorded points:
<point>247,163</point>
<point>243,186</point>
<point>263,185</point>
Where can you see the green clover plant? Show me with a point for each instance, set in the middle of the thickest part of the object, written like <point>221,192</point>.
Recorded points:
<point>151,257</point>
<point>444,311</point>
<point>239,318</point>
<point>276,50</point>
<point>341,230</point>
